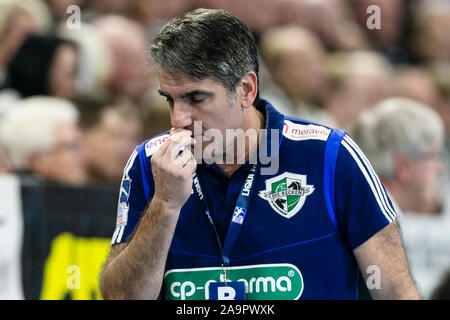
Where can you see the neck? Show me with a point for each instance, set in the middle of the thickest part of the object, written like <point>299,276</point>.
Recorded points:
<point>254,121</point>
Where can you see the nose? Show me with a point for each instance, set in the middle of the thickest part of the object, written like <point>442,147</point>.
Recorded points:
<point>180,116</point>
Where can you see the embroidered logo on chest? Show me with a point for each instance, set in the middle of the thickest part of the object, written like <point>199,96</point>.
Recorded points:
<point>287,193</point>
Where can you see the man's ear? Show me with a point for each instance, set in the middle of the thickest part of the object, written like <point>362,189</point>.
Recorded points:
<point>403,167</point>
<point>38,163</point>
<point>249,87</point>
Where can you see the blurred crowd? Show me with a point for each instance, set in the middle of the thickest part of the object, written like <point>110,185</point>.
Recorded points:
<point>78,91</point>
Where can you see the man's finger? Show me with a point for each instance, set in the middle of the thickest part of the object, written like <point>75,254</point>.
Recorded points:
<point>175,137</point>
<point>184,158</point>
<point>177,148</point>
<point>191,166</point>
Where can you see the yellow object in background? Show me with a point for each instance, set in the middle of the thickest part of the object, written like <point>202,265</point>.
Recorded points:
<point>73,267</point>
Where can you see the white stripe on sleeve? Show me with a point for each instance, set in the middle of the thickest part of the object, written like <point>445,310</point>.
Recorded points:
<point>129,164</point>
<point>116,231</point>
<point>373,175</point>
<point>369,181</point>
<point>119,237</point>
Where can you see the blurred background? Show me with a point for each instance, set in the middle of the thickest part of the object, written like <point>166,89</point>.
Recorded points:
<point>78,93</point>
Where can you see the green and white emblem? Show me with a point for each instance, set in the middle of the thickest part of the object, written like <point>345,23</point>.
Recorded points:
<point>287,193</point>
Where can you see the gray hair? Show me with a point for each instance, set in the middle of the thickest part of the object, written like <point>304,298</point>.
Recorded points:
<point>397,125</point>
<point>206,43</point>
<point>30,127</point>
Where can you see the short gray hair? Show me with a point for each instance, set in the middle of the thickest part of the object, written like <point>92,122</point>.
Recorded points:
<point>206,43</point>
<point>397,125</point>
<point>30,126</point>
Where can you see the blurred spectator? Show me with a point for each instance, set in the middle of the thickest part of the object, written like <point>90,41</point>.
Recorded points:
<point>440,72</point>
<point>94,59</point>
<point>391,20</point>
<point>295,59</point>
<point>17,20</point>
<point>155,120</point>
<point>41,136</point>
<point>44,65</point>
<point>415,83</point>
<point>103,7</point>
<point>391,37</point>
<point>58,8</point>
<point>431,30</point>
<point>153,13</point>
<point>110,134</point>
<point>127,42</point>
<point>332,21</point>
<point>268,11</point>
<point>403,139</point>
<point>270,90</point>
<point>359,79</point>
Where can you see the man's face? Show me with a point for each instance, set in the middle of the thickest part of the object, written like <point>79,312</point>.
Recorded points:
<point>129,59</point>
<point>204,101</point>
<point>426,181</point>
<point>109,144</point>
<point>65,163</point>
<point>63,73</point>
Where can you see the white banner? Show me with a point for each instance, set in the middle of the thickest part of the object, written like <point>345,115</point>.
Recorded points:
<point>11,235</point>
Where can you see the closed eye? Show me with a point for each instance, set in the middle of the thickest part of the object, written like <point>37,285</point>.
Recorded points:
<point>193,98</point>
<point>196,100</point>
<point>196,97</point>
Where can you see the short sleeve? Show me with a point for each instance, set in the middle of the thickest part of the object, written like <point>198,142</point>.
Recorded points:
<point>132,200</point>
<point>362,205</point>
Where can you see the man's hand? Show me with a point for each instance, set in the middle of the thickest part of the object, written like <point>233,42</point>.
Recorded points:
<point>173,170</point>
<point>135,270</point>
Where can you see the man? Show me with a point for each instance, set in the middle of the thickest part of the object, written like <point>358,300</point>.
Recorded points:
<point>54,75</point>
<point>404,140</point>
<point>296,60</point>
<point>360,79</point>
<point>287,238</point>
<point>40,135</point>
<point>126,41</point>
<point>109,133</point>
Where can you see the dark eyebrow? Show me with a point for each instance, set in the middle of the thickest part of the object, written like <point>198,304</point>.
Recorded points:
<point>206,94</point>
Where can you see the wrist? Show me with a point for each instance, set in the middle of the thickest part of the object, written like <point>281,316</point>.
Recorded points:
<point>165,204</point>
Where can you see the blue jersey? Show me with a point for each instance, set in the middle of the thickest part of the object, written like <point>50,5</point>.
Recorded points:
<point>301,226</point>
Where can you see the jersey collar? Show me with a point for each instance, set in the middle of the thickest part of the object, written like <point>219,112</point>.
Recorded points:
<point>274,122</point>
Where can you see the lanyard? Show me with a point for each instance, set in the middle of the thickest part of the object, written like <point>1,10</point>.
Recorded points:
<point>239,213</point>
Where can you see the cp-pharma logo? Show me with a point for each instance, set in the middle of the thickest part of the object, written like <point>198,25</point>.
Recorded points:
<point>262,282</point>
<point>287,193</point>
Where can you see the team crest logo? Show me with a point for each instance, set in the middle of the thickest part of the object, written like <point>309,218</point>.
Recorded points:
<point>287,193</point>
